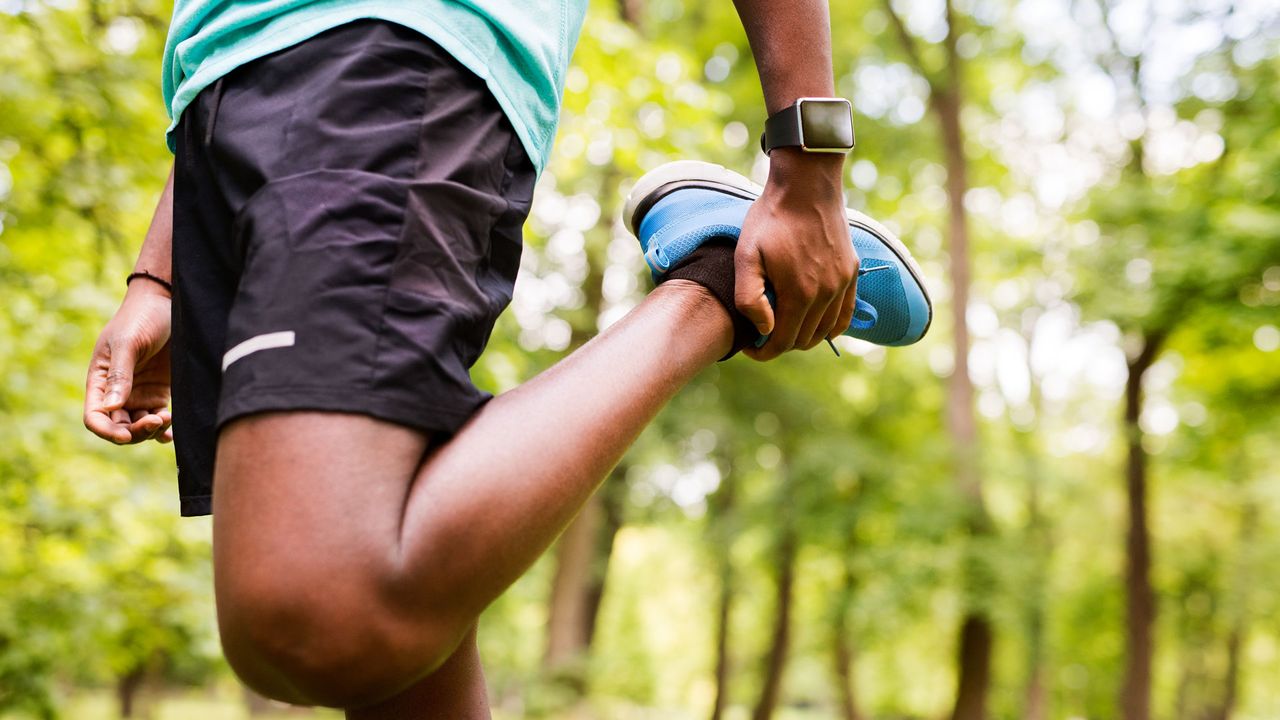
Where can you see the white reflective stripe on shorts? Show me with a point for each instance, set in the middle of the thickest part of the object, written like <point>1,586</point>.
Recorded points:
<point>256,343</point>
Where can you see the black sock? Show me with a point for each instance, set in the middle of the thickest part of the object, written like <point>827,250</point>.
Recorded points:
<point>711,266</point>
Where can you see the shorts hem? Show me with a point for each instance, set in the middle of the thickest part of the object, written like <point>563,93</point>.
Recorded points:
<point>195,505</point>
<point>422,415</point>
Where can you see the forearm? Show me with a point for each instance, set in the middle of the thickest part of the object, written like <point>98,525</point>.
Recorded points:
<point>156,255</point>
<point>795,236</point>
<point>791,42</point>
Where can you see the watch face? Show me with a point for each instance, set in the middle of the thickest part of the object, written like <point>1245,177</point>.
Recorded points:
<point>827,125</point>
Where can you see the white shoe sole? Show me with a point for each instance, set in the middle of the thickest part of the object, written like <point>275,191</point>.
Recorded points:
<point>662,180</point>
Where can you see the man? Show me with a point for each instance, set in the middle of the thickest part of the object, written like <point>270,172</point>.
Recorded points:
<point>340,230</point>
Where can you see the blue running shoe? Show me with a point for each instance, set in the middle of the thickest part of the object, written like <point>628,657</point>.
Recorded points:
<point>675,208</point>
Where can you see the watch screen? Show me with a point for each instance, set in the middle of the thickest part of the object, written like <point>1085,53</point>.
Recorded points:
<point>826,124</point>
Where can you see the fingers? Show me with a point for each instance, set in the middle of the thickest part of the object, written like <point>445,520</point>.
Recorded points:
<point>846,311</point>
<point>119,428</point>
<point>119,378</point>
<point>838,315</point>
<point>116,409</point>
<point>748,285</point>
<point>107,389</point>
<point>821,320</point>
<point>97,419</point>
<point>100,423</point>
<point>146,425</point>
<point>823,328</point>
<point>165,433</point>
<point>826,316</point>
<point>124,427</point>
<point>812,324</point>
<point>789,317</point>
<point>145,429</point>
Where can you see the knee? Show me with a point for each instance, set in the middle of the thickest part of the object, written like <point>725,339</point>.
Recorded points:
<point>325,639</point>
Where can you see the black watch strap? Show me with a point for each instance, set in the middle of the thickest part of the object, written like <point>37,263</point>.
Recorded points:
<point>814,124</point>
<point>782,130</point>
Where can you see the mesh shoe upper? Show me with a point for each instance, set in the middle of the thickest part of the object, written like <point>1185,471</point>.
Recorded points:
<point>685,218</point>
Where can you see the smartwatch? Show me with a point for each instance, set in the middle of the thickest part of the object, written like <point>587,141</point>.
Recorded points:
<point>820,125</point>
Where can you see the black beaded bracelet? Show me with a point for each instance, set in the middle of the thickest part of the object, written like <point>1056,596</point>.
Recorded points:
<point>144,274</point>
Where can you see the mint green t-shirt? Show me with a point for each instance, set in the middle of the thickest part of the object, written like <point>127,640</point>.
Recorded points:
<point>520,47</point>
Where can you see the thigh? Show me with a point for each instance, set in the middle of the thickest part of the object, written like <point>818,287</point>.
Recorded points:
<point>321,494</point>
<point>309,564</point>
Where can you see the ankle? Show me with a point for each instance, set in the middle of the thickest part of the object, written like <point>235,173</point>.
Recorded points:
<point>694,309</point>
<point>689,297</point>
<point>712,266</point>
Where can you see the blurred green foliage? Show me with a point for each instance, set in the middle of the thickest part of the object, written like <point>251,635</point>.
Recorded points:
<point>1107,207</point>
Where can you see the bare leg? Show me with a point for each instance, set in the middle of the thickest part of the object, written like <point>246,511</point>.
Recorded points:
<point>455,691</point>
<point>347,567</point>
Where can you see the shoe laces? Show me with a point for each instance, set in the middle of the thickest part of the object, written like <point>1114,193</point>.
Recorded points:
<point>864,313</point>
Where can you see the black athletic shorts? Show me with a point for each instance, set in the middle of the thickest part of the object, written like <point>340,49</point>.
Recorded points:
<point>347,228</point>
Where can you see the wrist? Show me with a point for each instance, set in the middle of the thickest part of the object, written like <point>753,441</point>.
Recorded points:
<point>820,175</point>
<point>143,283</point>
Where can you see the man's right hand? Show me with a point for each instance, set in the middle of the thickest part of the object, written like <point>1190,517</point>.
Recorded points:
<point>797,237</point>
<point>127,390</point>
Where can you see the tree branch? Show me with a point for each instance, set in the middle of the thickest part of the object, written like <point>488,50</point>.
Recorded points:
<point>953,53</point>
<point>908,43</point>
<point>1134,64</point>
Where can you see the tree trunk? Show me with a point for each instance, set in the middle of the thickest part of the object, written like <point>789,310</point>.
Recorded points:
<point>632,13</point>
<point>582,566</point>
<point>976,635</point>
<point>1239,622</point>
<point>843,650</point>
<point>1140,601</point>
<point>974,671</point>
<point>1035,700</point>
<point>844,676</point>
<point>578,584</point>
<point>723,610</point>
<point>722,513</point>
<point>960,417</point>
<point>844,656</point>
<point>776,661</point>
<point>946,98</point>
<point>974,659</point>
<point>568,608</point>
<point>1231,683</point>
<point>612,498</point>
<point>127,688</point>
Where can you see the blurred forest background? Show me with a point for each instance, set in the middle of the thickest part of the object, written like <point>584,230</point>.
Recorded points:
<point>1064,503</point>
